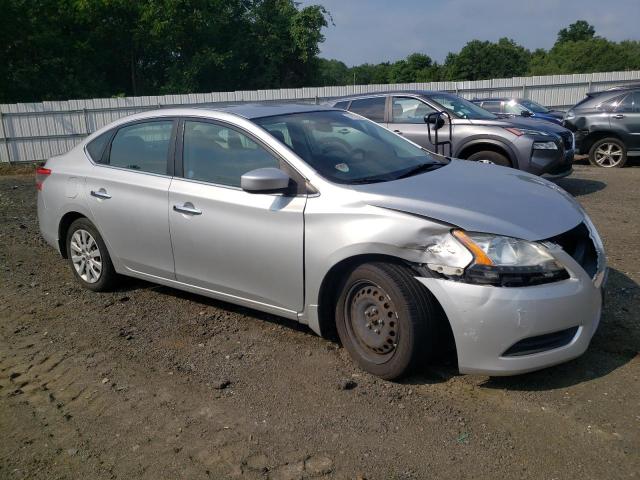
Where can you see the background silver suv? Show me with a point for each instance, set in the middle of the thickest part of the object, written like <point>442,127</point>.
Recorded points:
<point>534,146</point>
<point>324,217</point>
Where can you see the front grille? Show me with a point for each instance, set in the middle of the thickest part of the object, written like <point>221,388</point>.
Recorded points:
<point>577,242</point>
<point>567,140</point>
<point>541,343</point>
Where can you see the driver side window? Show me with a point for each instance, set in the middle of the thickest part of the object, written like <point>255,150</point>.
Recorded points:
<point>409,110</point>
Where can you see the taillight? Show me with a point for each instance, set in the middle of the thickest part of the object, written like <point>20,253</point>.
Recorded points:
<point>41,174</point>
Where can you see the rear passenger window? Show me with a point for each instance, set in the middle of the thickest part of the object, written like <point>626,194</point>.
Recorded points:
<point>372,108</point>
<point>221,155</point>
<point>143,147</point>
<point>342,105</point>
<point>95,148</point>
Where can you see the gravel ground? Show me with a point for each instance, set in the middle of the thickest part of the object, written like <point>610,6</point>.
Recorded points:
<point>150,382</point>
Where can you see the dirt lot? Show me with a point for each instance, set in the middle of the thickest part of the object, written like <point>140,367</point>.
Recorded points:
<point>149,382</point>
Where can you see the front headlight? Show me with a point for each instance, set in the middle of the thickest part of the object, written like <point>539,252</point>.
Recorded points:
<point>526,131</point>
<point>502,261</point>
<point>545,146</point>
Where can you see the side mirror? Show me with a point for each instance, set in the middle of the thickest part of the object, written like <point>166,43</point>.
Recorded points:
<point>526,113</point>
<point>436,121</point>
<point>264,180</point>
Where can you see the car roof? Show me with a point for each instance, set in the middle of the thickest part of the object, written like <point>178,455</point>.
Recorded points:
<point>426,93</point>
<point>259,110</point>
<point>496,99</point>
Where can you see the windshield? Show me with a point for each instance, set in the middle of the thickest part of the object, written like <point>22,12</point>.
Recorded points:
<point>461,107</point>
<point>534,107</point>
<point>345,148</point>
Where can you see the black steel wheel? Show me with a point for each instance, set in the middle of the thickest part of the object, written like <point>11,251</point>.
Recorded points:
<point>386,319</point>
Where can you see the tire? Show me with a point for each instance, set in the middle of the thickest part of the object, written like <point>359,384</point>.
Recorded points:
<point>490,156</point>
<point>608,153</point>
<point>85,243</point>
<point>385,319</point>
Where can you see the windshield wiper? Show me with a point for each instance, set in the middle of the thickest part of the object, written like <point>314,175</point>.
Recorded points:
<point>376,179</point>
<point>424,167</point>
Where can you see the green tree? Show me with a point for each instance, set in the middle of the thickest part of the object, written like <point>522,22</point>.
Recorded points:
<point>580,30</point>
<point>483,60</point>
<point>417,67</point>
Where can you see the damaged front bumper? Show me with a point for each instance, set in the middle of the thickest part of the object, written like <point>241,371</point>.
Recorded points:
<point>490,323</point>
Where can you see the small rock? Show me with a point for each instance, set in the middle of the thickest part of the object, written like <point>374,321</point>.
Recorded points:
<point>290,471</point>
<point>221,384</point>
<point>347,384</point>
<point>258,462</point>
<point>72,451</point>
<point>318,465</point>
<point>105,380</point>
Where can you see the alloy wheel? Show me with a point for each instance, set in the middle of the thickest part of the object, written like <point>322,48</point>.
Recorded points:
<point>86,256</point>
<point>608,155</point>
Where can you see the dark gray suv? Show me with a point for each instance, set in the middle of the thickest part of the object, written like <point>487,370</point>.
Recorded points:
<point>607,126</point>
<point>536,147</point>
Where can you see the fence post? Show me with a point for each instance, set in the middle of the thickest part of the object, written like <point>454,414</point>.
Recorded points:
<point>86,122</point>
<point>5,139</point>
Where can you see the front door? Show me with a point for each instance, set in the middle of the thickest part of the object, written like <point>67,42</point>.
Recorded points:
<point>128,193</point>
<point>239,245</point>
<point>626,120</point>
<point>407,119</point>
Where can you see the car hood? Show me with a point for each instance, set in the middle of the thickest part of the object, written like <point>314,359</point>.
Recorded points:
<point>481,198</point>
<point>521,122</point>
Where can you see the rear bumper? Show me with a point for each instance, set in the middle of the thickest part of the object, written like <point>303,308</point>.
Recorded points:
<point>487,321</point>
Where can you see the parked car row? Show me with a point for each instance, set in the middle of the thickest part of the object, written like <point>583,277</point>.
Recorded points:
<point>541,148</point>
<point>324,217</point>
<point>606,124</point>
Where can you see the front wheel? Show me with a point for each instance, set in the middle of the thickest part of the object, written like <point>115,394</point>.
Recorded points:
<point>608,153</point>
<point>489,156</point>
<point>90,262</point>
<point>385,319</point>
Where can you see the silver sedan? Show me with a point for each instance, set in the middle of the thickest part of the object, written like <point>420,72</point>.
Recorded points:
<point>324,217</point>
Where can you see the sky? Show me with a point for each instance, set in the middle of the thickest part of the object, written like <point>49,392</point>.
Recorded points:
<point>373,31</point>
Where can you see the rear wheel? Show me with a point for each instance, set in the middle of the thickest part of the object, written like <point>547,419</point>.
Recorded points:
<point>488,156</point>
<point>385,319</point>
<point>608,153</point>
<point>90,262</point>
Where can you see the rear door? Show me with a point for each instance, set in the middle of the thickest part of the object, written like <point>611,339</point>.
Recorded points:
<point>128,192</point>
<point>371,107</point>
<point>625,120</point>
<point>407,119</point>
<point>236,244</point>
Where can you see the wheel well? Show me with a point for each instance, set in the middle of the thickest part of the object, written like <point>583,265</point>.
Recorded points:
<point>594,137</point>
<point>65,222</point>
<point>483,147</point>
<point>330,288</point>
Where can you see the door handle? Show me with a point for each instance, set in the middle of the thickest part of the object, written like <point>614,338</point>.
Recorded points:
<point>187,209</point>
<point>618,116</point>
<point>102,193</point>
<point>398,132</point>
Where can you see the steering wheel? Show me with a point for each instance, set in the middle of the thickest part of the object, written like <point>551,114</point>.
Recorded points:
<point>335,145</point>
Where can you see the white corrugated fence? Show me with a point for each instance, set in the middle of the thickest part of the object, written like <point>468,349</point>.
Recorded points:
<point>36,131</point>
